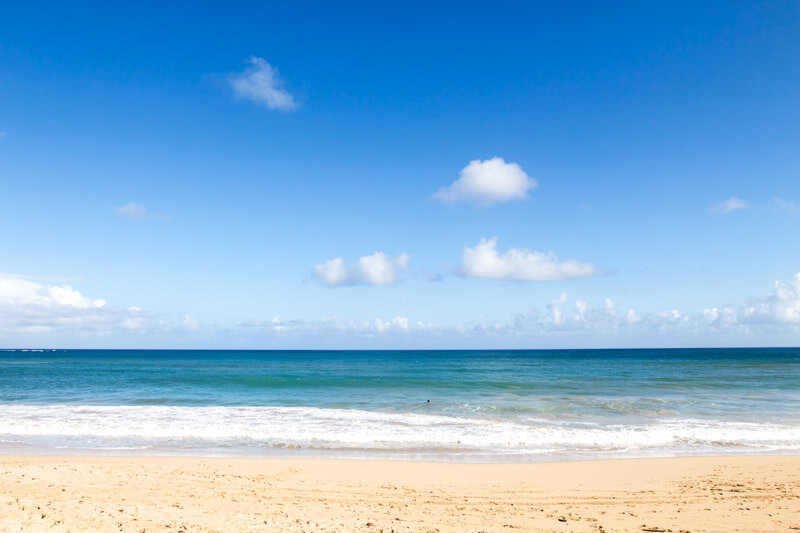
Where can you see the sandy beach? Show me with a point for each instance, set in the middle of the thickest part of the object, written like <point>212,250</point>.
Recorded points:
<point>198,494</point>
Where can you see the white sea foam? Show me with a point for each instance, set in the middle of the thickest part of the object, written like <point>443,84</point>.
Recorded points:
<point>245,429</point>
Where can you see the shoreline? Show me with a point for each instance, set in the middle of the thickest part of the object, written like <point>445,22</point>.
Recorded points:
<point>136,493</point>
<point>381,457</point>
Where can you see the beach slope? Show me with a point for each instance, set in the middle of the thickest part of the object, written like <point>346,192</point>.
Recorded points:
<point>193,494</point>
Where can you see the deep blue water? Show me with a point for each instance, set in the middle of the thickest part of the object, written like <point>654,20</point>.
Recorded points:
<point>485,405</point>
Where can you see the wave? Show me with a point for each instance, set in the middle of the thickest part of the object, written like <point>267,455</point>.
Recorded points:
<point>258,430</point>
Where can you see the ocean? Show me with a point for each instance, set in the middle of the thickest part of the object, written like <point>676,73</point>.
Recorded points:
<point>485,406</point>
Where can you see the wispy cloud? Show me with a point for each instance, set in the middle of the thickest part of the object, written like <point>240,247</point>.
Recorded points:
<point>728,206</point>
<point>487,182</point>
<point>376,269</point>
<point>785,205</point>
<point>484,261</point>
<point>331,326</point>
<point>261,83</point>
<point>136,211</point>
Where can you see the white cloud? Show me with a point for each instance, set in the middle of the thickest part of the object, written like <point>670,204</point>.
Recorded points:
<point>19,291</point>
<point>376,269</point>
<point>484,261</point>
<point>331,326</point>
<point>398,324</point>
<point>555,308</point>
<point>728,206</point>
<point>785,303</point>
<point>769,320</point>
<point>773,316</point>
<point>132,210</point>
<point>28,306</point>
<point>189,323</point>
<point>632,317</point>
<point>777,312</point>
<point>487,182</point>
<point>261,83</point>
<point>783,306</point>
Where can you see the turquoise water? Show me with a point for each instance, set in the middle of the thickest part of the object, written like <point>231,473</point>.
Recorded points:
<point>484,405</point>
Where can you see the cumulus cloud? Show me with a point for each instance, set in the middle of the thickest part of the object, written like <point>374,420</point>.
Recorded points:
<point>28,306</point>
<point>728,206</point>
<point>484,261</point>
<point>767,320</point>
<point>782,306</point>
<point>487,182</point>
<point>19,291</point>
<point>376,269</point>
<point>632,317</point>
<point>260,83</point>
<point>777,313</point>
<point>785,303</point>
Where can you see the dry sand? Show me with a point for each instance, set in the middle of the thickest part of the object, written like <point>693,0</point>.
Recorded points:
<point>191,494</point>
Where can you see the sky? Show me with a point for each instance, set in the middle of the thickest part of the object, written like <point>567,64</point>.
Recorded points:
<point>374,175</point>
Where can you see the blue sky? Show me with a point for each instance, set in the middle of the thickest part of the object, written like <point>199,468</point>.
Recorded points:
<point>374,176</point>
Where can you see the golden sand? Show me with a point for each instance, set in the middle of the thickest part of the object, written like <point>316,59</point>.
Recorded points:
<point>191,494</point>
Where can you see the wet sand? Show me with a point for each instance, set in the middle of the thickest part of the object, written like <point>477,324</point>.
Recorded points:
<point>193,494</point>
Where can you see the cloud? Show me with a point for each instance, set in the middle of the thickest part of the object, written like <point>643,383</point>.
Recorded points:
<point>487,182</point>
<point>260,83</point>
<point>19,291</point>
<point>566,322</point>
<point>632,317</point>
<point>189,323</point>
<point>331,326</point>
<point>376,269</point>
<point>46,314</point>
<point>563,320</point>
<point>728,206</point>
<point>786,205</point>
<point>555,308</point>
<point>28,306</point>
<point>769,320</point>
<point>484,261</point>
<point>134,211</point>
<point>782,307</point>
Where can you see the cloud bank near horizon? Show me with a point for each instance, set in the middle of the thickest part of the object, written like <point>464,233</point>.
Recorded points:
<point>574,321</point>
<point>50,315</point>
